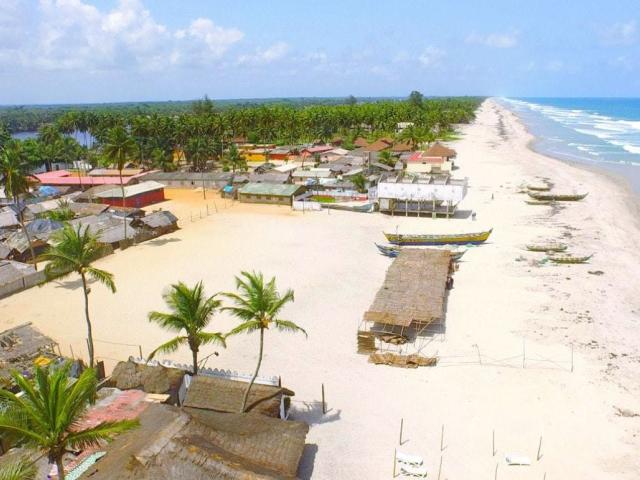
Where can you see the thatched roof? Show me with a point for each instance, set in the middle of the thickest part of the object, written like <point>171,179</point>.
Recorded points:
<point>413,290</point>
<point>225,395</point>
<point>378,146</point>
<point>174,443</point>
<point>86,209</point>
<point>360,142</point>
<point>439,150</point>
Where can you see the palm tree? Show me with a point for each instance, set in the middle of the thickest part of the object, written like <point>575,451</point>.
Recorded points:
<point>16,182</point>
<point>235,159</point>
<point>191,311</point>
<point>118,149</point>
<point>257,305</point>
<point>46,415</point>
<point>74,250</point>
<point>21,469</point>
<point>198,150</point>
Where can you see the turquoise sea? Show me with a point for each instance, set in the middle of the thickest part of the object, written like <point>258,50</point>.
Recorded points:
<point>600,132</point>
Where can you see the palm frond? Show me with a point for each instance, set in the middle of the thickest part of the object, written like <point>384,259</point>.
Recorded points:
<point>21,469</point>
<point>206,338</point>
<point>169,347</point>
<point>246,327</point>
<point>104,432</point>
<point>102,276</point>
<point>287,326</point>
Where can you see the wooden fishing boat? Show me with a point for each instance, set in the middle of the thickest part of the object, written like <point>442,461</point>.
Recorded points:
<point>558,197</point>
<point>539,187</point>
<point>438,239</point>
<point>538,202</point>
<point>546,247</point>
<point>569,259</point>
<point>393,251</point>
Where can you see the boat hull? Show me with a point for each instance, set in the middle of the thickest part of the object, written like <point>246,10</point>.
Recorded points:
<point>557,197</point>
<point>393,251</point>
<point>455,239</point>
<point>547,248</point>
<point>570,260</point>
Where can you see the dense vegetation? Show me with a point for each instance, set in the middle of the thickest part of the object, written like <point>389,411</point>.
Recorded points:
<point>203,130</point>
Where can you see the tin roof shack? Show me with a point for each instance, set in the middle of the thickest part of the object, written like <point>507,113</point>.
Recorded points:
<point>17,276</point>
<point>20,346</point>
<point>8,218</point>
<point>174,443</point>
<point>40,230</point>
<point>269,193</point>
<point>210,180</point>
<point>138,196</point>
<point>411,299</point>
<point>155,224</point>
<point>61,178</point>
<point>407,194</point>
<point>109,228</point>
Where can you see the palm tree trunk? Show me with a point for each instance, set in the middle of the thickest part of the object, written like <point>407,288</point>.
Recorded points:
<point>123,202</point>
<point>60,466</point>
<point>26,232</point>
<point>195,361</point>
<point>255,375</point>
<point>86,314</point>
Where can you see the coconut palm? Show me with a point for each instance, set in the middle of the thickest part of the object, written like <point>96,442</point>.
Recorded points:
<point>74,250</point>
<point>118,149</point>
<point>46,415</point>
<point>258,305</point>
<point>16,182</point>
<point>21,469</point>
<point>191,311</point>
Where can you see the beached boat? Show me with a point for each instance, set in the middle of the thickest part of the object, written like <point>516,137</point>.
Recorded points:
<point>546,247</point>
<point>539,187</point>
<point>569,259</point>
<point>558,197</point>
<point>538,202</point>
<point>438,239</point>
<point>393,251</point>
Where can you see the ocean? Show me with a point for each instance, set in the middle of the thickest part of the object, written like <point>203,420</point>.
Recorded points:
<point>600,132</point>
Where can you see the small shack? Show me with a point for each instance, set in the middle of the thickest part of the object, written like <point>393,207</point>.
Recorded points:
<point>278,194</point>
<point>225,395</point>
<point>20,346</point>
<point>156,223</point>
<point>411,299</point>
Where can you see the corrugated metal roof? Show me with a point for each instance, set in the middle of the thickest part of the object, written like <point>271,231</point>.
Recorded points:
<point>131,190</point>
<point>273,189</point>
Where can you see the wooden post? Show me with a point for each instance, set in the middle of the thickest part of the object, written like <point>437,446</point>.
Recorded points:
<point>207,209</point>
<point>539,448</point>
<point>401,428</point>
<point>440,467</point>
<point>215,206</point>
<point>279,381</point>
<point>442,438</point>
<point>324,406</point>
<point>140,350</point>
<point>395,454</point>
<point>479,357</point>
<point>495,475</point>
<point>72,355</point>
<point>493,443</point>
<point>571,360</point>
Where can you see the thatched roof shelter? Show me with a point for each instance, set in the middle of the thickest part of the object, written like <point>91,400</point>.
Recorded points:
<point>193,444</point>
<point>439,150</point>
<point>413,290</point>
<point>225,395</point>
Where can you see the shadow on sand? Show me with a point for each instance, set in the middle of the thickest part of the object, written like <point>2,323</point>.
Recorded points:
<point>305,469</point>
<point>158,242</point>
<point>311,413</point>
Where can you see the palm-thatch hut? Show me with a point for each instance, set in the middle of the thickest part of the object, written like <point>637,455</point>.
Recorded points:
<point>412,298</point>
<point>225,395</point>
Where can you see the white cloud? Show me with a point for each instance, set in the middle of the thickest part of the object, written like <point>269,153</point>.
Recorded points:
<point>555,65</point>
<point>264,56</point>
<point>74,34</point>
<point>431,56</point>
<point>494,40</point>
<point>624,33</point>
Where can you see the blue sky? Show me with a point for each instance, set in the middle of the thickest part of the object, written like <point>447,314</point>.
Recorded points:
<point>55,51</point>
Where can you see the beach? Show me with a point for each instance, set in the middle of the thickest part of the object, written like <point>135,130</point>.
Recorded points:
<point>536,360</point>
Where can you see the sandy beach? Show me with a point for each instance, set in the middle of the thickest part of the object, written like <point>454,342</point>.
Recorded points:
<point>503,304</point>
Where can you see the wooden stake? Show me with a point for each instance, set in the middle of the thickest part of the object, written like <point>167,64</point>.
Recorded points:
<point>493,443</point>
<point>324,406</point>
<point>140,350</point>
<point>572,358</point>
<point>442,438</point>
<point>401,428</point>
<point>539,448</point>
<point>72,355</point>
<point>395,453</point>
<point>495,475</point>
<point>440,467</point>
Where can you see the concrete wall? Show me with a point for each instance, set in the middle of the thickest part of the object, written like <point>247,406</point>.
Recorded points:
<point>270,199</point>
<point>23,283</point>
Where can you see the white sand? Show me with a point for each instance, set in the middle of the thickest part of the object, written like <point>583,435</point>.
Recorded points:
<point>332,264</point>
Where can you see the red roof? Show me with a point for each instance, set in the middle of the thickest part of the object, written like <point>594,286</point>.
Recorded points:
<point>318,149</point>
<point>64,177</point>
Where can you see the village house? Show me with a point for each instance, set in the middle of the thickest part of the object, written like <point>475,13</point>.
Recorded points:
<point>277,194</point>
<point>138,195</point>
<point>210,180</point>
<point>65,178</point>
<point>421,194</point>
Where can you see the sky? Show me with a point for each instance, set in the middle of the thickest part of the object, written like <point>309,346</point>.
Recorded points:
<point>75,51</point>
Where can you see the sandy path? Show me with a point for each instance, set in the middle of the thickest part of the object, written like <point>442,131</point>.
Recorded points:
<point>330,261</point>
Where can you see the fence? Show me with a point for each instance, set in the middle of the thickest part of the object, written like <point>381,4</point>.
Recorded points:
<point>306,206</point>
